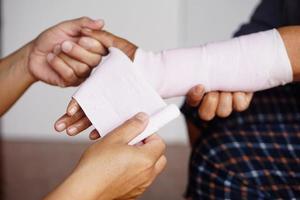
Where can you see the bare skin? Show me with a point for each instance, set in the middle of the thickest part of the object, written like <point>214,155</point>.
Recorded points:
<point>111,169</point>
<point>35,61</point>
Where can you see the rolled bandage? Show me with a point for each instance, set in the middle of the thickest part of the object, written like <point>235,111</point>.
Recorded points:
<point>116,91</point>
<point>248,63</point>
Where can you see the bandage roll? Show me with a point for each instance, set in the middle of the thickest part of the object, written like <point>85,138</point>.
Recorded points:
<point>157,121</point>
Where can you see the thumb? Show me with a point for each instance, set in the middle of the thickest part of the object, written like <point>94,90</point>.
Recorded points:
<point>129,129</point>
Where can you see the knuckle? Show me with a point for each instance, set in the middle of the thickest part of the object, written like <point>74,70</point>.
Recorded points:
<point>84,19</point>
<point>162,145</point>
<point>147,162</point>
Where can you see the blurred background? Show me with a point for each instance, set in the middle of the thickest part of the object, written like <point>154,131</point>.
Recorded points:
<point>34,157</point>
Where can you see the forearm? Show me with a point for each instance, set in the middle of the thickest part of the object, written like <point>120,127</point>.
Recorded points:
<point>76,187</point>
<point>248,63</point>
<point>14,77</point>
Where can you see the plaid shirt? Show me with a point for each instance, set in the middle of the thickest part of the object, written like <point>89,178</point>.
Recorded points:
<point>254,154</point>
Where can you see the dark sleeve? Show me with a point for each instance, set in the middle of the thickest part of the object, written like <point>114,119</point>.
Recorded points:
<point>268,15</point>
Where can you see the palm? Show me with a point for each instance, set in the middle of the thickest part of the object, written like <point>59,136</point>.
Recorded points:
<point>42,46</point>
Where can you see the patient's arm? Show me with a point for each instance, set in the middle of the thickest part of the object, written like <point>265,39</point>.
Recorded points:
<point>229,66</point>
<point>247,63</point>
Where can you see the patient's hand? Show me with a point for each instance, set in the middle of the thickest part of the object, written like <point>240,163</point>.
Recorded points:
<point>220,104</point>
<point>75,121</point>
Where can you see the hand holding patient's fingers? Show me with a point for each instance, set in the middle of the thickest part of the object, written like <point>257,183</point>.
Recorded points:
<point>195,96</point>
<point>72,62</point>
<point>225,104</point>
<point>241,101</point>
<point>48,66</point>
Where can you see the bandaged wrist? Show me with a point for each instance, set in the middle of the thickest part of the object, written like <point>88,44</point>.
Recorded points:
<point>248,63</point>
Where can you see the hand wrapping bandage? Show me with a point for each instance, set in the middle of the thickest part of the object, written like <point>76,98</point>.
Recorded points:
<point>248,63</point>
<point>116,91</point>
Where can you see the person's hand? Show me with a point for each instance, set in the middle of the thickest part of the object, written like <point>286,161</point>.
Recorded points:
<point>111,169</point>
<point>75,121</point>
<point>220,104</point>
<point>70,64</point>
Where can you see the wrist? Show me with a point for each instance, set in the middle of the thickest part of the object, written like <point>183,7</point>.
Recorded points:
<point>23,63</point>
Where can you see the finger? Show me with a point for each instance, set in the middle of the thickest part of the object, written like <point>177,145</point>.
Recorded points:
<point>79,126</point>
<point>130,129</point>
<point>154,147</point>
<point>110,40</point>
<point>195,95</point>
<point>208,107</point>
<point>62,69</point>
<point>241,101</point>
<point>75,25</point>
<point>94,135</point>
<point>160,165</point>
<point>225,104</point>
<point>87,22</point>
<point>81,70</point>
<point>92,45</point>
<point>104,37</point>
<point>73,107</point>
<point>63,122</point>
<point>77,52</point>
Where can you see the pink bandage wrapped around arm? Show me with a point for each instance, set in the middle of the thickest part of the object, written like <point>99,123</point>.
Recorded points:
<point>248,63</point>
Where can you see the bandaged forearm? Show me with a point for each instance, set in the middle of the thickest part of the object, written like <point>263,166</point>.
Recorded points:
<point>249,63</point>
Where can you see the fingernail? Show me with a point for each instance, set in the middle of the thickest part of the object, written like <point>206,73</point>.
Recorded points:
<point>56,49</point>
<point>50,57</point>
<point>67,46</point>
<point>99,22</point>
<point>142,116</point>
<point>73,110</point>
<point>60,126</point>
<point>72,130</point>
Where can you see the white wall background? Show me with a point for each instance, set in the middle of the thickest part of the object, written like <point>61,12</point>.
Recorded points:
<point>152,24</point>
